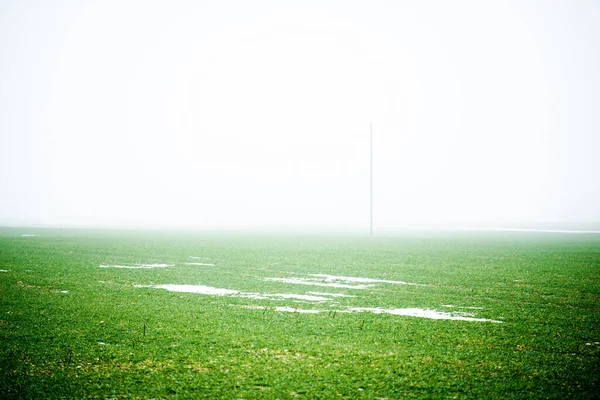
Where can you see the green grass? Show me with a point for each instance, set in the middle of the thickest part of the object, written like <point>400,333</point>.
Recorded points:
<point>108,338</point>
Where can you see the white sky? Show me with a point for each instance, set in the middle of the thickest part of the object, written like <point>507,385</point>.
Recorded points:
<point>227,113</point>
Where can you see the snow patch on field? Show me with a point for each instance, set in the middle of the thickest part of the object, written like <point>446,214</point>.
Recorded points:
<point>314,282</point>
<point>285,309</point>
<point>466,308</point>
<point>408,312</point>
<point>29,235</point>
<point>274,296</point>
<point>3,270</point>
<point>422,313</point>
<point>331,294</point>
<point>351,279</point>
<point>138,266</point>
<point>200,289</point>
<point>344,282</point>
<point>199,263</point>
<point>298,310</point>
<point>209,290</point>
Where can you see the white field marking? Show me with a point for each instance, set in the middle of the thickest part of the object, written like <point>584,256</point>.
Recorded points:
<point>312,282</point>
<point>138,266</point>
<point>201,289</point>
<point>199,263</point>
<point>422,313</point>
<point>351,279</point>
<point>331,294</point>
<point>28,235</point>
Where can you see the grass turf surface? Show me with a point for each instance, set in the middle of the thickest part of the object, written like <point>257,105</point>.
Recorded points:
<point>69,328</point>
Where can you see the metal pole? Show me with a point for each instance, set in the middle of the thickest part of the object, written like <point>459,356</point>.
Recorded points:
<point>371,180</point>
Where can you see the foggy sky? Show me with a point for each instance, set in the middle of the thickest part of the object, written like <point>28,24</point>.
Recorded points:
<point>257,113</point>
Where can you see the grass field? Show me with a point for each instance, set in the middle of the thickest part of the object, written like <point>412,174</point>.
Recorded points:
<point>87,314</point>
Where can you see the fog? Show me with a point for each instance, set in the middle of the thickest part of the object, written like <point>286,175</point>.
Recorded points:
<point>258,113</point>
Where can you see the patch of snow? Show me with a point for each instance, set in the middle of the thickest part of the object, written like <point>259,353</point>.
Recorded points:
<point>276,296</point>
<point>3,270</point>
<point>209,290</point>
<point>201,289</point>
<point>138,266</point>
<point>331,294</point>
<point>298,310</point>
<point>313,282</point>
<point>344,282</point>
<point>466,308</point>
<point>351,279</point>
<point>199,263</point>
<point>299,297</point>
<point>409,312</point>
<point>29,235</point>
<point>286,309</point>
<point>422,313</point>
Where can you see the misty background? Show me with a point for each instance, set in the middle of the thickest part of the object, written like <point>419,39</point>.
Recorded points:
<point>238,113</point>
